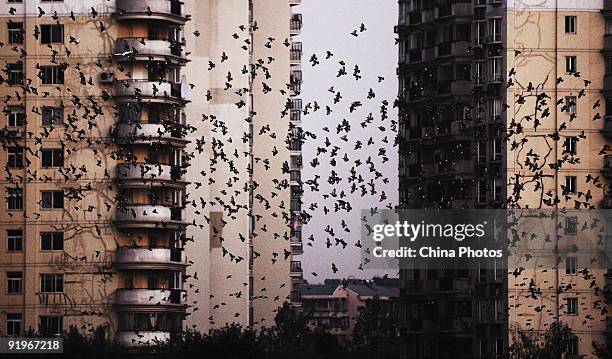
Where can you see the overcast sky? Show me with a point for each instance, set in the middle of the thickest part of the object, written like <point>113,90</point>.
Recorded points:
<point>327,26</point>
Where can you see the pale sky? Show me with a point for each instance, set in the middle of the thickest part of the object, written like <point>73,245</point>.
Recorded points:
<point>327,26</point>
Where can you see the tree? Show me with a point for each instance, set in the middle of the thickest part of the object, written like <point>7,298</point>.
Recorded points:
<point>558,342</point>
<point>375,331</point>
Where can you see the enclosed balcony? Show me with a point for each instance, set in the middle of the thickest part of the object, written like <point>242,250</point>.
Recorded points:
<point>164,10</point>
<point>143,174</point>
<point>296,54</point>
<point>149,216</point>
<point>150,133</point>
<point>296,24</point>
<point>140,49</point>
<point>150,258</point>
<point>607,167</point>
<point>161,299</point>
<point>296,269</point>
<point>148,91</point>
<point>141,338</point>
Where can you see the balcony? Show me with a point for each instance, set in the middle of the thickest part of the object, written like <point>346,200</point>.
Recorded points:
<point>607,130</point>
<point>164,10</point>
<point>295,177</point>
<point>140,49</point>
<point>149,133</point>
<point>296,269</point>
<point>296,53</point>
<point>455,9</point>
<point>294,2</point>
<point>150,258</point>
<point>141,338</point>
<point>163,299</point>
<point>295,26</point>
<point>607,167</point>
<point>296,246</point>
<point>142,174</point>
<point>454,48</point>
<point>149,216</point>
<point>148,91</point>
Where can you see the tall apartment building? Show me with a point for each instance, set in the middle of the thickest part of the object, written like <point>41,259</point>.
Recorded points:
<point>469,71</point>
<point>133,174</point>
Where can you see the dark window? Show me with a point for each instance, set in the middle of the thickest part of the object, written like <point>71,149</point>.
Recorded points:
<point>13,323</point>
<point>52,199</point>
<point>52,34</point>
<point>15,73</point>
<point>571,145</point>
<point>571,185</point>
<point>14,282</point>
<point>15,117</point>
<point>52,241</point>
<point>51,325</point>
<point>570,24</point>
<point>14,239</point>
<point>14,199</point>
<point>52,75</point>
<point>15,33</point>
<point>52,157</point>
<point>51,283</point>
<point>14,157</point>
<point>571,226</point>
<point>52,116</point>
<point>570,64</point>
<point>571,265</point>
<point>571,306</point>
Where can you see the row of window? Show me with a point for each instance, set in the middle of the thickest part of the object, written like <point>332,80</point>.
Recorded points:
<point>50,75</point>
<point>48,324</point>
<point>48,199</point>
<point>50,157</point>
<point>48,33</point>
<point>49,283</point>
<point>49,241</point>
<point>51,116</point>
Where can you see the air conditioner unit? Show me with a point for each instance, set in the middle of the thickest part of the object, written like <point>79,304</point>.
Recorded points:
<point>106,77</point>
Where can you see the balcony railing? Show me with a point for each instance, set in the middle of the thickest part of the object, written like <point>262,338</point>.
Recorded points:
<point>148,50</point>
<point>146,297</point>
<point>149,258</point>
<point>166,10</point>
<point>156,215</point>
<point>160,91</point>
<point>146,133</point>
<point>148,172</point>
<point>141,338</point>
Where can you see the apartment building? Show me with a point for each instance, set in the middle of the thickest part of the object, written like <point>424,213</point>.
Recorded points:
<point>335,304</point>
<point>470,73</point>
<point>123,206</point>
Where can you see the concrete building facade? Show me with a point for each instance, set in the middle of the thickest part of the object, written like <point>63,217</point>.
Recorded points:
<point>146,165</point>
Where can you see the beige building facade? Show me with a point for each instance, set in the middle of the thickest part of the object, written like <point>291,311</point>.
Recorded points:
<point>130,169</point>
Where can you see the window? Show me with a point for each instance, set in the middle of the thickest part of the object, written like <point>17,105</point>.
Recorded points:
<point>496,147</point>
<point>570,185</point>
<point>15,33</point>
<point>14,281</point>
<point>571,226</point>
<point>14,199</point>
<point>571,306</point>
<point>570,24</point>
<point>482,192</point>
<point>14,157</point>
<point>571,264</point>
<point>52,199</point>
<point>52,75</point>
<point>495,69</point>
<point>570,64</point>
<point>15,117</point>
<point>52,157</point>
<point>51,283</point>
<point>495,29</point>
<point>571,146</point>
<point>15,73</point>
<point>15,1</point>
<point>497,189</point>
<point>13,324</point>
<point>572,348</point>
<point>52,34</point>
<point>51,325</point>
<point>570,104</point>
<point>52,241</point>
<point>52,116</point>
<point>14,239</point>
